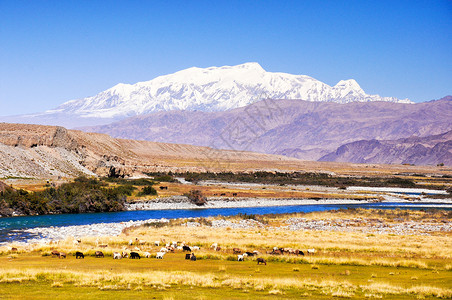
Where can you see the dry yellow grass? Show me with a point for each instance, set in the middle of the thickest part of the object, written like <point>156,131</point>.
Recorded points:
<point>127,280</point>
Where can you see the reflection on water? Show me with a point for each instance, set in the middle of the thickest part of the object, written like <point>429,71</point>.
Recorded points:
<point>12,229</point>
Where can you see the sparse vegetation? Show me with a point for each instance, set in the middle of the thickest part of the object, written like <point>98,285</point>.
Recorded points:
<point>300,178</point>
<point>159,176</point>
<point>133,182</point>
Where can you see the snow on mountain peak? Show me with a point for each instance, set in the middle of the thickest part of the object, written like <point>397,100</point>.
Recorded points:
<point>350,83</point>
<point>213,89</point>
<point>250,65</point>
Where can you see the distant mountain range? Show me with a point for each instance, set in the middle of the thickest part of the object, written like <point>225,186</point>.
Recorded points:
<point>198,89</point>
<point>296,128</point>
<point>429,150</point>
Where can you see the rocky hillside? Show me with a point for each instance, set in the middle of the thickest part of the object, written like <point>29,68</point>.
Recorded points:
<point>50,151</point>
<point>301,129</point>
<point>3,187</point>
<point>430,150</point>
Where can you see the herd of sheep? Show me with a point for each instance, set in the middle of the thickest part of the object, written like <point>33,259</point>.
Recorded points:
<point>182,246</point>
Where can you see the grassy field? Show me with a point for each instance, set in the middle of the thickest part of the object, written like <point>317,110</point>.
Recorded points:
<point>347,264</point>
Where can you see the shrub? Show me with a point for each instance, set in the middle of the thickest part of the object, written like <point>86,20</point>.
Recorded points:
<point>196,197</point>
<point>147,190</point>
<point>155,224</point>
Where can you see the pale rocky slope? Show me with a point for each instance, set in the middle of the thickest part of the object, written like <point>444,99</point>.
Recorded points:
<point>50,151</point>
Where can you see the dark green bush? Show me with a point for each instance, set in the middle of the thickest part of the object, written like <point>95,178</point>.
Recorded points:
<point>82,195</point>
<point>147,190</point>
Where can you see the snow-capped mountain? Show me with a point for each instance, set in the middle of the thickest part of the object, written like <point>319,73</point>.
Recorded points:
<point>212,89</point>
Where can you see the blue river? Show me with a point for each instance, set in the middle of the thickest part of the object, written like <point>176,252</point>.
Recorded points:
<point>11,228</point>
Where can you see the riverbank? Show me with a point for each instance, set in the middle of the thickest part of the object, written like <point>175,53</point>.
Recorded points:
<point>182,202</point>
<point>102,225</point>
<point>46,235</point>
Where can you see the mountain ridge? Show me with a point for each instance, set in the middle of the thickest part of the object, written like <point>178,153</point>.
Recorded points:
<point>203,89</point>
<point>301,129</point>
<point>432,150</point>
<point>226,85</point>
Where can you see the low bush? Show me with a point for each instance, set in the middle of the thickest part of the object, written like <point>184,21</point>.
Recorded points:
<point>147,190</point>
<point>196,197</point>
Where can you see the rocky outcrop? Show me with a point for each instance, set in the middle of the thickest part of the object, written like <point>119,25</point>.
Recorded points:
<point>22,135</point>
<point>4,187</point>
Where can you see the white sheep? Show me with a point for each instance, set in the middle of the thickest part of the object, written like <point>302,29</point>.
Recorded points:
<point>163,250</point>
<point>311,251</point>
<point>160,255</point>
<point>240,257</point>
<point>116,255</point>
<point>147,254</point>
<point>195,248</point>
<point>157,243</point>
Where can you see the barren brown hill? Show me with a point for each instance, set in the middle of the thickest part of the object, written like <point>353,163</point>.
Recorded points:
<point>37,150</point>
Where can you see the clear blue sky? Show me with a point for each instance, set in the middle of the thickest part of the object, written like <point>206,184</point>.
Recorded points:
<point>54,51</point>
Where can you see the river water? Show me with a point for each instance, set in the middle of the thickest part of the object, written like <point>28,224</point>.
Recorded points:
<point>15,228</point>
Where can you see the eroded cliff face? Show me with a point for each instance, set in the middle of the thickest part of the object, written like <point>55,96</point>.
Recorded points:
<point>41,151</point>
<point>29,136</point>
